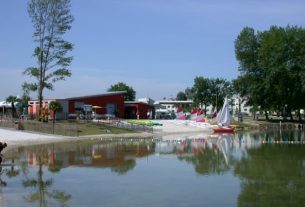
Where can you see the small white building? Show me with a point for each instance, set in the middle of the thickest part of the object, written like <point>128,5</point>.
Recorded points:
<point>166,109</point>
<point>239,105</point>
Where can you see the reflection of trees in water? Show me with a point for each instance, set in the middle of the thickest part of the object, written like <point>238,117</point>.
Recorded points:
<point>44,195</point>
<point>124,167</point>
<point>210,161</point>
<point>272,175</point>
<point>12,172</point>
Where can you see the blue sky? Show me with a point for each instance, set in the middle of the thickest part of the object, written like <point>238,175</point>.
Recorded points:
<point>156,46</point>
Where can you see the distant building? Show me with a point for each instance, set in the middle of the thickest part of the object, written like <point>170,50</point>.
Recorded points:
<point>239,105</point>
<point>166,109</point>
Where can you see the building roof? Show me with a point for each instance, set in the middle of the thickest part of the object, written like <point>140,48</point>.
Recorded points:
<point>135,102</point>
<point>174,102</point>
<point>99,95</point>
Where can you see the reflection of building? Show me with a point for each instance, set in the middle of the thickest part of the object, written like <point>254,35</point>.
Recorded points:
<point>97,155</point>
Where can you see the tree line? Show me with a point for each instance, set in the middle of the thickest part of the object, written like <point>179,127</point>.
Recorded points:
<point>206,92</point>
<point>272,73</point>
<point>272,69</point>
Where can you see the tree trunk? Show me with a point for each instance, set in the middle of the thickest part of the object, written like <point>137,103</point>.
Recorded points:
<point>53,121</point>
<point>290,114</point>
<point>299,115</point>
<point>13,109</point>
<point>266,114</point>
<point>40,102</point>
<point>291,117</point>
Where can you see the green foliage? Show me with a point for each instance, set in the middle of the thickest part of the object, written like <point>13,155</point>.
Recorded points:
<point>211,91</point>
<point>120,86</point>
<point>189,93</point>
<point>272,66</point>
<point>181,96</point>
<point>55,106</point>
<point>12,100</point>
<point>51,20</point>
<point>201,89</point>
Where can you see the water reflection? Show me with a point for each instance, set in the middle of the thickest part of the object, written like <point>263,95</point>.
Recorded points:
<point>270,166</point>
<point>43,194</point>
<point>119,157</point>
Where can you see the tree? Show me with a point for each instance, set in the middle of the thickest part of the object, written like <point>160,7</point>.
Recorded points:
<point>219,89</point>
<point>189,93</point>
<point>272,69</point>
<point>181,96</point>
<point>12,100</point>
<point>120,86</point>
<point>54,106</point>
<point>201,91</point>
<point>51,20</point>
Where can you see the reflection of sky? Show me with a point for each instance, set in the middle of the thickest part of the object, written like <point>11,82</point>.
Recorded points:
<point>171,179</point>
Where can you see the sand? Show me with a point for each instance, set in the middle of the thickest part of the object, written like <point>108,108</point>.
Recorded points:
<point>171,129</point>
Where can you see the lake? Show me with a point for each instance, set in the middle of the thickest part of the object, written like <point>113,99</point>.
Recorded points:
<point>247,169</point>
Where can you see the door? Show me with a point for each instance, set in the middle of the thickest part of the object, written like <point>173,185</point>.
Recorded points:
<point>111,109</point>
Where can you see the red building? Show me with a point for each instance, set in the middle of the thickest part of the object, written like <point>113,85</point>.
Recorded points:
<point>137,109</point>
<point>111,103</point>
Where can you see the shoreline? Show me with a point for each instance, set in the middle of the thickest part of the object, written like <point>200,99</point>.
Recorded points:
<point>15,138</point>
<point>170,130</point>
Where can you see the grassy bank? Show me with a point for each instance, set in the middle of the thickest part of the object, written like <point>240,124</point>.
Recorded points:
<point>66,128</point>
<point>91,129</point>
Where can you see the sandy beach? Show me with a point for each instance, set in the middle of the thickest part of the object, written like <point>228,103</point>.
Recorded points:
<point>170,129</point>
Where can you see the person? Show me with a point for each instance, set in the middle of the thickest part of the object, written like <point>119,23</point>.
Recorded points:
<point>2,146</point>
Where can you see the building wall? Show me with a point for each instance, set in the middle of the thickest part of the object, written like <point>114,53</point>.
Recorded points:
<point>101,101</point>
<point>33,110</point>
<point>142,109</point>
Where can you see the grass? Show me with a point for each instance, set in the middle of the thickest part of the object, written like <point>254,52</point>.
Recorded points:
<point>144,122</point>
<point>72,128</point>
<point>91,129</point>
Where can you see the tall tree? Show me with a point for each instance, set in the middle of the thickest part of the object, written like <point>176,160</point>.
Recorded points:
<point>51,20</point>
<point>120,86</point>
<point>201,91</point>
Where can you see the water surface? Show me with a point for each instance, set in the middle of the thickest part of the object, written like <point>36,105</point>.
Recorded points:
<point>250,169</point>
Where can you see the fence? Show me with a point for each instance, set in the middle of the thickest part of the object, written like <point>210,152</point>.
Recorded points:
<point>124,125</point>
<point>43,127</point>
<point>71,128</point>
